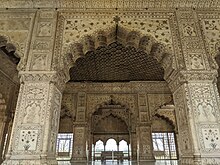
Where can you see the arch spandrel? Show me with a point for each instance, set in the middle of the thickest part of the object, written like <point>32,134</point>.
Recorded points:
<point>16,27</point>
<point>100,29</point>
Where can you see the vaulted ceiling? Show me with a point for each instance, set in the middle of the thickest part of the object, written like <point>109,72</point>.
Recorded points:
<point>116,63</point>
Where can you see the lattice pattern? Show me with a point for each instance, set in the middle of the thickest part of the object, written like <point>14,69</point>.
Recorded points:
<point>116,63</point>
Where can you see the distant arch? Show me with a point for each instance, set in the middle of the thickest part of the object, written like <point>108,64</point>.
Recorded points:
<point>111,145</point>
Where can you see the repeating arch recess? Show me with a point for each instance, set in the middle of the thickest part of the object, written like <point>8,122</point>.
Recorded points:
<point>9,49</point>
<point>133,38</point>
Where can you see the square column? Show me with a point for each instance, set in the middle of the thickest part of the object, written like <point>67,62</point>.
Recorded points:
<point>36,121</point>
<point>197,104</point>
<point>145,145</point>
<point>79,144</point>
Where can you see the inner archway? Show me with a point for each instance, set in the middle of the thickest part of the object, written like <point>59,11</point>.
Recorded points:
<point>110,123</point>
<point>111,145</point>
<point>96,59</point>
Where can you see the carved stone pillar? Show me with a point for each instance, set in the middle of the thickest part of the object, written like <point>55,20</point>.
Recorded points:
<point>133,140</point>
<point>36,121</point>
<point>79,144</point>
<point>90,146</point>
<point>145,146</point>
<point>80,132</point>
<point>197,103</point>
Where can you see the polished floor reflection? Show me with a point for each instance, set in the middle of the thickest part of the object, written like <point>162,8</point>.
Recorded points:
<point>161,162</point>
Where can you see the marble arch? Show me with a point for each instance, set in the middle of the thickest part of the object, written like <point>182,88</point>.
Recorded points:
<point>113,109</point>
<point>136,38</point>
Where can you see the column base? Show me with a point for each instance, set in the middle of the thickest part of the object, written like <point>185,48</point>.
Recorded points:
<point>144,162</point>
<point>78,161</point>
<point>30,161</point>
<point>149,158</point>
<point>199,160</point>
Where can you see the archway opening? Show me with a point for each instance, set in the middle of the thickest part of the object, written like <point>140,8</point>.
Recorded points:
<point>111,145</point>
<point>137,59</point>
<point>164,138</point>
<point>110,123</point>
<point>98,149</point>
<point>124,147</point>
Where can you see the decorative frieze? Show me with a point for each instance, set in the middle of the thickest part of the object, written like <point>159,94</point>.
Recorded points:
<point>114,4</point>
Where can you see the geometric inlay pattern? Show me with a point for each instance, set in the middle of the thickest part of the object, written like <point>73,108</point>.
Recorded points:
<point>114,63</point>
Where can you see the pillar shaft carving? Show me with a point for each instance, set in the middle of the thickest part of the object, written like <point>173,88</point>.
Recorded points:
<point>145,146</point>
<point>80,143</point>
<point>197,100</point>
<point>133,140</point>
<point>193,47</point>
<point>36,120</point>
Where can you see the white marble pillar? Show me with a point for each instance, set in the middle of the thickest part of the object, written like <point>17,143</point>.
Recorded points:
<point>36,121</point>
<point>79,144</point>
<point>197,104</point>
<point>145,143</point>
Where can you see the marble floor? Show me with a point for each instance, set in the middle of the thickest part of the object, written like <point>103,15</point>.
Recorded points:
<point>161,162</point>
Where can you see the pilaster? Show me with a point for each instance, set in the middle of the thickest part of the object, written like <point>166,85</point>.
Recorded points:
<point>80,132</point>
<point>145,146</point>
<point>196,100</point>
<point>36,120</point>
<point>133,140</point>
<point>80,144</point>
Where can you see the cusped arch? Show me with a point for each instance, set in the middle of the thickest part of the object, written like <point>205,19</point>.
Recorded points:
<point>115,115</point>
<point>128,38</point>
<point>167,119</point>
<point>112,102</point>
<point>124,114</point>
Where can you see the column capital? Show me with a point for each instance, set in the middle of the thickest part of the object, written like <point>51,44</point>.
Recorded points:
<point>177,78</point>
<point>58,78</point>
<point>80,124</point>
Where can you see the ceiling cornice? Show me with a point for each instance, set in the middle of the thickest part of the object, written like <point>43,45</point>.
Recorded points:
<point>113,4</point>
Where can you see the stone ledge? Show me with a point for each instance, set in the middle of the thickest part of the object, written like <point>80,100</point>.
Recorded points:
<point>106,4</point>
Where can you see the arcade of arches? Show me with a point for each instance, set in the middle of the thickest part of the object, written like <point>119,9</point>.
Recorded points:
<point>93,80</point>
